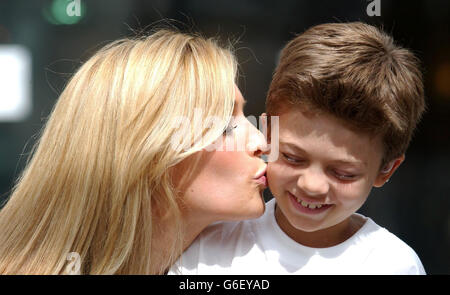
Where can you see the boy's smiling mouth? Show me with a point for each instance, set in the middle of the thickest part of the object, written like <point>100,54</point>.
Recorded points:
<point>308,207</point>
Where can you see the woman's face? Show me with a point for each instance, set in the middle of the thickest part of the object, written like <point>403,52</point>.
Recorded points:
<point>226,183</point>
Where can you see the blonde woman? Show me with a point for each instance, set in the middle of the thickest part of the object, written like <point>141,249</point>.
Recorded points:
<point>112,183</point>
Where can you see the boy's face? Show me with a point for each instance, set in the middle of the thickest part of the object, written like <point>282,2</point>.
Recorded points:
<point>324,172</point>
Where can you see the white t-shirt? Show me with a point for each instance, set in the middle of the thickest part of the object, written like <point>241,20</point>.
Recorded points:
<point>260,246</point>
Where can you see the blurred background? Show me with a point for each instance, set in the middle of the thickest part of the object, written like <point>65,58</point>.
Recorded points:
<point>42,43</point>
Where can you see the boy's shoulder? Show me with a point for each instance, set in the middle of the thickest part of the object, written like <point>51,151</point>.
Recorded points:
<point>379,237</point>
<point>385,249</point>
<point>215,248</point>
<point>221,244</point>
<point>221,234</point>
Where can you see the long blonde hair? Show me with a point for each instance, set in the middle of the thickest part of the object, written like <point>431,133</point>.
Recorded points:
<point>102,161</point>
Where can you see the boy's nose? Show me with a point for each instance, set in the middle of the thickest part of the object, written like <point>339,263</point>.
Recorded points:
<point>313,183</point>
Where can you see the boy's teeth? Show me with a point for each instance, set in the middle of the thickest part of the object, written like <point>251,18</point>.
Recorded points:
<point>311,206</point>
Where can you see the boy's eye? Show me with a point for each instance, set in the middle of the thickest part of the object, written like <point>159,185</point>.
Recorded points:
<point>344,176</point>
<point>291,159</point>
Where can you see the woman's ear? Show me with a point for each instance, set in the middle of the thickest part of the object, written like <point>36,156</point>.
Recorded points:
<point>387,171</point>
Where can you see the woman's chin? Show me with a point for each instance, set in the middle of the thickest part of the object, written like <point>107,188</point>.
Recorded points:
<point>258,207</point>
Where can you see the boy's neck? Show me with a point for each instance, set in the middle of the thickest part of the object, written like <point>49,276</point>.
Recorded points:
<point>324,238</point>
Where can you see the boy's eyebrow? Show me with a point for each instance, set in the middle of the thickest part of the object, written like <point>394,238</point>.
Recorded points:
<point>298,149</point>
<point>351,162</point>
<point>293,146</point>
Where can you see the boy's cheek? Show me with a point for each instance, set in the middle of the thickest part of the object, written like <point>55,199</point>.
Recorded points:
<point>355,193</point>
<point>272,172</point>
<point>275,176</point>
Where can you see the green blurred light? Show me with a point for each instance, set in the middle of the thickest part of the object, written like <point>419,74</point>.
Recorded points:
<point>65,12</point>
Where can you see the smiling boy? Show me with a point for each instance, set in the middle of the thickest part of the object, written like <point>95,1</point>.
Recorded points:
<point>348,101</point>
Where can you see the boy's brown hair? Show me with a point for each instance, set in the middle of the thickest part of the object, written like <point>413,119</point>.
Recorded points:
<point>356,73</point>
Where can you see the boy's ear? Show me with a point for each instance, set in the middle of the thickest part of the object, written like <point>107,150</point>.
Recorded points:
<point>387,171</point>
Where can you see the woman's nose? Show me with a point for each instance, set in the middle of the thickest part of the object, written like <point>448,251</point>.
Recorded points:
<point>257,144</point>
